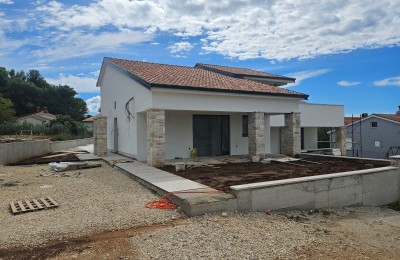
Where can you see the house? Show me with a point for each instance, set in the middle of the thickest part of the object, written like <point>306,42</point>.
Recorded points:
<point>157,111</point>
<point>88,122</point>
<point>40,117</point>
<point>373,136</point>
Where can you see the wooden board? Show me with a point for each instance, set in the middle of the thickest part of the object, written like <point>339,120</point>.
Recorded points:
<point>24,206</point>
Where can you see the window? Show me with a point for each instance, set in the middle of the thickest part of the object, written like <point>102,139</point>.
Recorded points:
<point>374,124</point>
<point>245,125</point>
<point>115,104</point>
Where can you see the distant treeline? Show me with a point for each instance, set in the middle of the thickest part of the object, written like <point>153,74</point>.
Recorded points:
<point>26,91</point>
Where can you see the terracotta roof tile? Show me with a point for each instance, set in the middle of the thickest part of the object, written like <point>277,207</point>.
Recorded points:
<point>172,76</point>
<point>42,116</point>
<point>348,120</point>
<point>393,117</point>
<point>241,71</point>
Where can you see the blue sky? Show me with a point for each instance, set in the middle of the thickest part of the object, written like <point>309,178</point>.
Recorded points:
<point>341,52</point>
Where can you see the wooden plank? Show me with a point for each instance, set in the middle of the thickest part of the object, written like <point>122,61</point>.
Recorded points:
<point>53,201</point>
<point>55,155</point>
<point>21,206</point>
<point>37,204</point>
<point>13,208</point>
<point>45,202</point>
<point>29,205</point>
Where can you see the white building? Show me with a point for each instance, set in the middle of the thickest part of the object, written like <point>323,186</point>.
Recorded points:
<point>40,117</point>
<point>156,111</point>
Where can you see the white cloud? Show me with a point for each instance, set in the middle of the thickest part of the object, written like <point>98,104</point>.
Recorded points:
<point>93,104</point>
<point>303,75</point>
<point>242,29</point>
<point>394,81</point>
<point>345,83</point>
<point>78,44</point>
<point>8,2</point>
<point>80,84</point>
<point>180,47</point>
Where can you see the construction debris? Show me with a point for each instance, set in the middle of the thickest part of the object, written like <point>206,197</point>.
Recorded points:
<point>25,206</point>
<point>71,166</point>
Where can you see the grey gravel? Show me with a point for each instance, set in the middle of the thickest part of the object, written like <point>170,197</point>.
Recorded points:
<point>90,201</point>
<point>234,236</point>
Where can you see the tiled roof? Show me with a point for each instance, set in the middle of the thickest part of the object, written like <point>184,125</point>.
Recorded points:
<point>393,117</point>
<point>241,71</point>
<point>90,119</point>
<point>181,77</point>
<point>41,116</point>
<point>349,120</point>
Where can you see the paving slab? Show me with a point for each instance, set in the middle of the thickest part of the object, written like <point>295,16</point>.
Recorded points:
<point>193,198</point>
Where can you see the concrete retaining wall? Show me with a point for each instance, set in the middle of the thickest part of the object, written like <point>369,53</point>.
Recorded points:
<point>14,152</point>
<point>62,145</point>
<point>372,187</point>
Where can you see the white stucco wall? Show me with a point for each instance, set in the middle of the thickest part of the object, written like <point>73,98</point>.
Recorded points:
<point>321,115</point>
<point>221,102</point>
<point>179,133</point>
<point>115,86</point>
<point>30,120</point>
<point>310,138</point>
<point>315,115</point>
<point>275,140</point>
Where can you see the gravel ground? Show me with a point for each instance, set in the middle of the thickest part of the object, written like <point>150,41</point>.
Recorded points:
<point>102,199</point>
<point>343,233</point>
<point>230,236</point>
<point>90,201</point>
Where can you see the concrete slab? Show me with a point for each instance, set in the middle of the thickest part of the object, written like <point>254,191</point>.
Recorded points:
<point>205,201</point>
<point>88,157</point>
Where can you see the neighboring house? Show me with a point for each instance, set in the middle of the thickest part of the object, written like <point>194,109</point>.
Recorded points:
<point>40,117</point>
<point>373,136</point>
<point>88,122</point>
<point>156,111</point>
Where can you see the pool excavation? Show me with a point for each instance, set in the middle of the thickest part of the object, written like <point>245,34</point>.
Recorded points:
<point>313,182</point>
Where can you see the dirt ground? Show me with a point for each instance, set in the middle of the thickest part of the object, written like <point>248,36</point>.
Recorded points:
<point>222,176</point>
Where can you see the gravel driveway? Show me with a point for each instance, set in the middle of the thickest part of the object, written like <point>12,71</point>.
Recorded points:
<point>90,201</point>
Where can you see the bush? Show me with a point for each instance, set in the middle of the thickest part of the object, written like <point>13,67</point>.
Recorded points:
<point>60,129</point>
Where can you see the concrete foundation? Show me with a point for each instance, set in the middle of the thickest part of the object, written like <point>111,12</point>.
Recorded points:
<point>372,187</point>
<point>290,135</point>
<point>11,153</point>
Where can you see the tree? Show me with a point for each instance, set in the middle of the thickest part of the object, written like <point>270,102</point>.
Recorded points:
<point>7,113</point>
<point>28,91</point>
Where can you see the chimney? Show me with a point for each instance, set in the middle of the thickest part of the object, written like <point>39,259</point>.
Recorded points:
<point>364,115</point>
<point>45,110</point>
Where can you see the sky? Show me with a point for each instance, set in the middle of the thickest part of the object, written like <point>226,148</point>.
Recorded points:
<point>340,51</point>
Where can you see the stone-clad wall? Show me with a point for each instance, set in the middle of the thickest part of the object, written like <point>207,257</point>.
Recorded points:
<point>100,136</point>
<point>155,137</point>
<point>290,135</point>
<point>256,134</point>
<point>341,139</point>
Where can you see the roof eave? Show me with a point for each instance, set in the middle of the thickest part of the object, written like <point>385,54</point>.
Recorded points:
<point>302,96</point>
<point>127,73</point>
